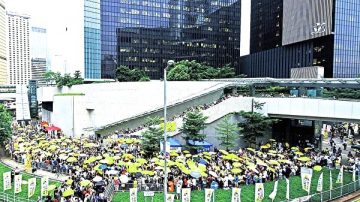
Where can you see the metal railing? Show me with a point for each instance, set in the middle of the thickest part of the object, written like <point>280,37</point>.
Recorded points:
<point>109,191</point>
<point>13,198</point>
<point>156,187</point>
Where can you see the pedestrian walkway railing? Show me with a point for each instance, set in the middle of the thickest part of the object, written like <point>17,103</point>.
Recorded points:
<point>156,187</point>
<point>13,198</point>
<point>109,191</point>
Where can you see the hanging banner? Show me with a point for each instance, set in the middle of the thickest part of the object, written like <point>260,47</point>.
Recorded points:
<point>259,192</point>
<point>236,195</point>
<point>17,183</point>
<point>339,179</point>
<point>31,187</point>
<point>273,194</point>
<point>170,197</point>
<point>320,183</point>
<point>306,175</point>
<point>209,195</point>
<point>44,186</point>
<point>354,173</point>
<point>287,189</point>
<point>185,195</point>
<point>7,181</point>
<point>133,195</point>
<point>331,185</point>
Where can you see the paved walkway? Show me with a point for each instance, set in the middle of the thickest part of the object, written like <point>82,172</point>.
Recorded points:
<point>338,143</point>
<point>39,172</point>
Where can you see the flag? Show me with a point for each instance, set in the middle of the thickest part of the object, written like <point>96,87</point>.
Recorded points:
<point>287,189</point>
<point>236,195</point>
<point>185,194</point>
<point>17,183</point>
<point>7,180</point>
<point>320,183</point>
<point>259,192</point>
<point>31,187</point>
<point>331,186</point>
<point>133,195</point>
<point>170,197</point>
<point>273,194</point>
<point>306,181</point>
<point>339,179</point>
<point>208,195</point>
<point>354,173</point>
<point>44,186</point>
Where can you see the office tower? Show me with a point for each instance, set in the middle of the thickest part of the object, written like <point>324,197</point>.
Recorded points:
<point>38,53</point>
<point>146,34</point>
<point>19,48</point>
<point>3,44</point>
<point>310,33</point>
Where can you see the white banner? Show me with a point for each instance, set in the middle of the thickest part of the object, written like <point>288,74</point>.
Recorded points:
<point>236,195</point>
<point>354,173</point>
<point>339,179</point>
<point>44,186</point>
<point>320,183</point>
<point>306,175</point>
<point>31,187</point>
<point>273,194</point>
<point>209,195</point>
<point>259,192</point>
<point>331,181</point>
<point>133,195</point>
<point>7,181</point>
<point>170,197</point>
<point>185,195</point>
<point>17,183</point>
<point>287,189</point>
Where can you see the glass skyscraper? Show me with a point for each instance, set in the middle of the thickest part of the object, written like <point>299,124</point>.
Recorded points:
<point>146,34</point>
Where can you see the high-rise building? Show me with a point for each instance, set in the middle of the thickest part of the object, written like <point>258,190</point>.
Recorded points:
<point>19,48</point>
<point>38,53</point>
<point>289,34</point>
<point>146,34</point>
<point>3,44</point>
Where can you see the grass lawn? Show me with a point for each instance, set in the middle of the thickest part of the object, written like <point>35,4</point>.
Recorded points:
<point>24,187</point>
<point>247,192</point>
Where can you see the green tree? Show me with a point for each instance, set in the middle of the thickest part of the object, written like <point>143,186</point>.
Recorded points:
<point>66,80</point>
<point>179,73</point>
<point>154,120</point>
<point>193,123</point>
<point>5,124</point>
<point>125,74</point>
<point>228,133</point>
<point>226,72</point>
<point>151,141</point>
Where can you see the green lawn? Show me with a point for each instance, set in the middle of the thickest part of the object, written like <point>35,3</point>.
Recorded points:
<point>247,192</point>
<point>24,187</point>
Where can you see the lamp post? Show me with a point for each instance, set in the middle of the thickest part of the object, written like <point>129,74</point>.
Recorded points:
<point>169,63</point>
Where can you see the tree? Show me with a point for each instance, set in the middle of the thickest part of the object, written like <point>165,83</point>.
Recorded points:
<point>125,74</point>
<point>179,73</point>
<point>228,133</point>
<point>254,125</point>
<point>5,124</point>
<point>151,141</point>
<point>66,80</point>
<point>193,123</point>
<point>154,120</point>
<point>226,72</point>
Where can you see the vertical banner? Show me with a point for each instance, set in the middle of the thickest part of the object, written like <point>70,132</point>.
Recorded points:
<point>273,194</point>
<point>339,179</point>
<point>320,183</point>
<point>209,195</point>
<point>44,186</point>
<point>133,195</point>
<point>306,175</point>
<point>28,162</point>
<point>236,195</point>
<point>17,183</point>
<point>331,185</point>
<point>185,195</point>
<point>31,187</point>
<point>287,189</point>
<point>259,192</point>
<point>354,173</point>
<point>170,197</point>
<point>7,180</point>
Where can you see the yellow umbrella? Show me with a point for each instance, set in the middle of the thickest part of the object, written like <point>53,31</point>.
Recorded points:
<point>273,162</point>
<point>223,151</point>
<point>260,162</point>
<point>174,154</point>
<point>265,147</point>
<point>236,171</point>
<point>317,168</point>
<point>307,149</point>
<point>141,161</point>
<point>71,159</point>
<point>68,192</point>
<point>69,181</point>
<point>129,156</point>
<point>85,183</point>
<point>272,140</point>
<point>271,169</point>
<point>236,164</point>
<point>51,187</point>
<point>304,159</point>
<point>272,151</point>
<point>186,152</point>
<point>90,145</point>
<point>251,149</point>
<point>295,148</point>
<point>284,161</point>
<point>188,155</point>
<point>299,153</point>
<point>280,155</point>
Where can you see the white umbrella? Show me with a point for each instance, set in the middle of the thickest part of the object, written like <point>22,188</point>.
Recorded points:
<point>159,168</point>
<point>213,174</point>
<point>112,172</point>
<point>124,179</point>
<point>97,179</point>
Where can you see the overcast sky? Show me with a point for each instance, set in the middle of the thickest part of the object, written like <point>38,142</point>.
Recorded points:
<point>37,9</point>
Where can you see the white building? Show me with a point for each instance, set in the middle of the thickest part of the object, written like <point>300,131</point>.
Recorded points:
<point>39,53</point>
<point>3,44</point>
<point>19,70</point>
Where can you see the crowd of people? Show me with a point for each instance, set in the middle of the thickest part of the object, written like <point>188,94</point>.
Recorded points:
<point>93,164</point>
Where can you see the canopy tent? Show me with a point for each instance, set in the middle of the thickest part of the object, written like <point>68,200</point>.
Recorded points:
<point>52,128</point>
<point>205,145</point>
<point>173,142</point>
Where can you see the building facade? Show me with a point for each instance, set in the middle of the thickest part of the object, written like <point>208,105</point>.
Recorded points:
<point>146,34</point>
<point>39,53</point>
<point>19,49</point>
<point>309,33</point>
<point>3,44</point>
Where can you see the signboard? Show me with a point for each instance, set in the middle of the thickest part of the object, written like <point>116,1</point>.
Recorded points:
<point>306,175</point>
<point>7,180</point>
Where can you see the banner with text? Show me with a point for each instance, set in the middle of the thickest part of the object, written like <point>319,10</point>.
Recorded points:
<point>7,181</point>
<point>17,183</point>
<point>185,195</point>
<point>236,195</point>
<point>44,186</point>
<point>31,187</point>
<point>259,192</point>
<point>133,195</point>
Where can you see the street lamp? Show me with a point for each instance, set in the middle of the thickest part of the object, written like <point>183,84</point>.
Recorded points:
<point>169,63</point>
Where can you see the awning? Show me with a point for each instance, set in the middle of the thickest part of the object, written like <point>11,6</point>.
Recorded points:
<point>200,144</point>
